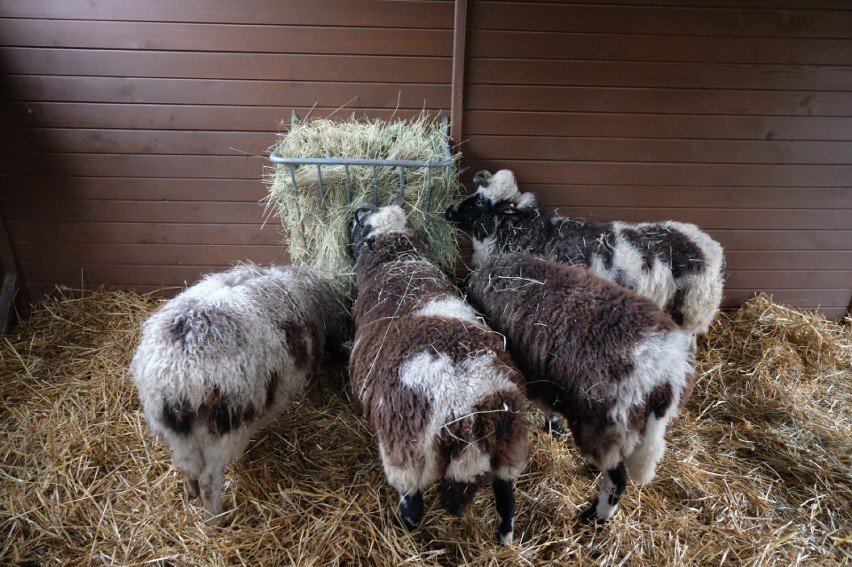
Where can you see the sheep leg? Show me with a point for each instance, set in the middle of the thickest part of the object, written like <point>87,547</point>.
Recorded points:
<point>210,483</point>
<point>504,501</point>
<point>456,496</point>
<point>190,483</point>
<point>612,489</point>
<point>411,509</point>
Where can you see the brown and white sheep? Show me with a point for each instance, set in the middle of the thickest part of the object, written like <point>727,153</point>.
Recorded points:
<point>611,362</point>
<point>432,380</point>
<point>674,264</point>
<point>222,359</point>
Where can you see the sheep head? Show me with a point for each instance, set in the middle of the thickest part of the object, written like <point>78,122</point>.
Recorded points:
<point>369,222</point>
<point>496,196</point>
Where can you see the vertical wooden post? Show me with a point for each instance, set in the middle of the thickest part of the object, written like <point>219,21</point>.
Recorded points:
<point>457,87</point>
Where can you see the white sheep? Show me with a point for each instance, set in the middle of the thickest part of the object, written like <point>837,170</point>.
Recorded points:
<point>432,380</point>
<point>222,359</point>
<point>610,361</point>
<point>674,264</point>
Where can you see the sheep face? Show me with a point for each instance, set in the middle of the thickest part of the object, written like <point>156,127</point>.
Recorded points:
<point>369,222</point>
<point>497,200</point>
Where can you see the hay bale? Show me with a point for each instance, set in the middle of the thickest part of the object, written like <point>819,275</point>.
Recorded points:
<point>757,472</point>
<point>317,222</point>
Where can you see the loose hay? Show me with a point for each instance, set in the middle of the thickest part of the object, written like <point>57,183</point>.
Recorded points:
<point>317,227</point>
<point>758,470</point>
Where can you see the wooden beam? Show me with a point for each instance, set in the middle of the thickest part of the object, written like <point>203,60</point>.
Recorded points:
<point>457,87</point>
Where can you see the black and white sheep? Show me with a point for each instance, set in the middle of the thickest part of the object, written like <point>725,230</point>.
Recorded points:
<point>610,361</point>
<point>675,264</point>
<point>222,359</point>
<point>434,383</point>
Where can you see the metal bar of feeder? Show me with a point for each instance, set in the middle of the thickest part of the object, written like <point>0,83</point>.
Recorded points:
<point>428,188</point>
<point>321,188</point>
<point>402,182</point>
<point>348,184</point>
<point>296,197</point>
<point>375,186</point>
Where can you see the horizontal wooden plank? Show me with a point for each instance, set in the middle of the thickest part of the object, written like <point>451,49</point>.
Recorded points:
<point>830,298</point>
<point>766,279</point>
<point>243,66</point>
<point>659,150</point>
<point>75,210</point>
<point>138,141</point>
<point>783,239</point>
<point>139,189</point>
<point>825,5</point>
<point>245,93</point>
<point>44,232</point>
<point>635,47</point>
<point>687,197</point>
<point>621,125</point>
<point>141,277</point>
<point>125,165</point>
<point>165,36</point>
<point>713,219</point>
<point>657,101</point>
<point>688,75</point>
<point>147,254</point>
<point>672,174</point>
<point>789,260</point>
<point>193,117</point>
<point>692,21</point>
<point>360,13</point>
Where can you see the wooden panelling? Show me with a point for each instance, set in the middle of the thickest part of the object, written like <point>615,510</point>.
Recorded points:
<point>650,126</point>
<point>223,37</point>
<point>202,65</point>
<point>670,20</point>
<point>684,174</point>
<point>354,13</point>
<point>233,92</point>
<point>135,136</point>
<point>666,48</point>
<point>184,117</point>
<point>732,115</point>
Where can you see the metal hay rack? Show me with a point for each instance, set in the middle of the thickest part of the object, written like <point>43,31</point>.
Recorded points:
<point>401,165</point>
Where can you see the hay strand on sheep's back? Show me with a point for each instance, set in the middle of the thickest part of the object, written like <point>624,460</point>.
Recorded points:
<point>757,471</point>
<point>317,226</point>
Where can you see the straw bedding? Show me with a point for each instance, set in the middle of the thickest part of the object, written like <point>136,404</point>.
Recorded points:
<point>317,229</point>
<point>758,471</point>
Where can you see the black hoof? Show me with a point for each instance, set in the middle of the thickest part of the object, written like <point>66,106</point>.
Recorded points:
<point>411,510</point>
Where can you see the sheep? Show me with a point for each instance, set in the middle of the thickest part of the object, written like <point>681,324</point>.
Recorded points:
<point>610,361</point>
<point>675,264</point>
<point>222,359</point>
<point>433,382</point>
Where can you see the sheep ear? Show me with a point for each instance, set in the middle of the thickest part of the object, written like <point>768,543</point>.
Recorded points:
<point>482,178</point>
<point>362,210</point>
<point>398,201</point>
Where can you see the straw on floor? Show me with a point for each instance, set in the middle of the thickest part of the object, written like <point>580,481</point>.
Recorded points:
<point>757,472</point>
<point>316,223</point>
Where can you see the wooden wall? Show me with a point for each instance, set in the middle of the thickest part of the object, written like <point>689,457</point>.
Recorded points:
<point>135,133</point>
<point>735,115</point>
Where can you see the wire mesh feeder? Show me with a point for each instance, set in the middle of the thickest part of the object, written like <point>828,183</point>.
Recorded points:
<point>324,168</point>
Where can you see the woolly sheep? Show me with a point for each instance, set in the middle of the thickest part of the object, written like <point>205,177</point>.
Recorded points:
<point>676,265</point>
<point>432,380</point>
<point>610,361</point>
<point>222,359</point>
